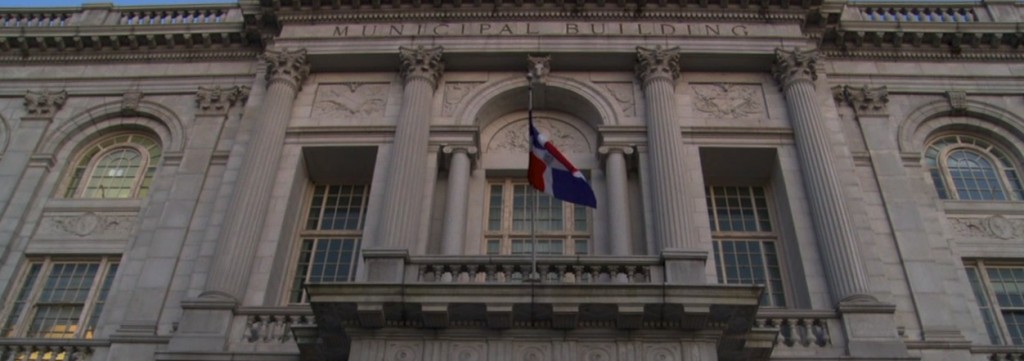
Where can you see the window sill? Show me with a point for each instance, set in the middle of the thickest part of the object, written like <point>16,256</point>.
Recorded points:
<point>955,207</point>
<point>88,204</point>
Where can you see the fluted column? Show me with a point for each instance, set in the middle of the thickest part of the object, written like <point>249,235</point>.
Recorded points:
<point>674,227</point>
<point>454,233</point>
<point>795,71</point>
<point>403,207</point>
<point>286,70</point>
<point>618,202</point>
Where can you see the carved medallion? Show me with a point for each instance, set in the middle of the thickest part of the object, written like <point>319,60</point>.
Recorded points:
<point>661,353</point>
<point>532,352</point>
<point>403,351</point>
<point>992,227</point>
<point>731,101</point>
<point>454,93</point>
<point>513,137</point>
<point>596,352</point>
<point>467,351</point>
<point>623,95</point>
<point>350,101</point>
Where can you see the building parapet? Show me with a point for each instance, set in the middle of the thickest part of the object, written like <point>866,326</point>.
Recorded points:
<point>48,349</point>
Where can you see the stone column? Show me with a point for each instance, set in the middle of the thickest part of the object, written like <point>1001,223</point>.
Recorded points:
<point>795,71</point>
<point>618,201</point>
<point>454,233</point>
<point>672,213</point>
<point>233,257</point>
<point>402,213</point>
<point>922,261</point>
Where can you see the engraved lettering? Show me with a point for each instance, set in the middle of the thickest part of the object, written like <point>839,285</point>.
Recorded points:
<point>530,30</point>
<point>712,29</point>
<point>668,29</point>
<point>373,30</point>
<point>593,29</point>
<point>484,27</point>
<point>739,30</point>
<point>572,29</point>
<point>505,30</point>
<point>438,31</point>
<point>397,29</point>
<point>341,30</point>
<point>689,29</point>
<point>640,30</point>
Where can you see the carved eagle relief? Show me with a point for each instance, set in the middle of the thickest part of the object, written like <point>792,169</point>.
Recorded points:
<point>731,101</point>
<point>350,100</point>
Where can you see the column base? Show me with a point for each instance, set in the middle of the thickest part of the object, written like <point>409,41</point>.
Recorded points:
<point>205,325</point>
<point>384,265</point>
<point>870,328</point>
<point>685,267</point>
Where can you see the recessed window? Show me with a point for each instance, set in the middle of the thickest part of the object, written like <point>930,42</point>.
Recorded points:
<point>745,240</point>
<point>60,298</point>
<point>519,217</point>
<point>965,167</point>
<point>117,166</point>
<point>331,237</point>
<point>999,290</point>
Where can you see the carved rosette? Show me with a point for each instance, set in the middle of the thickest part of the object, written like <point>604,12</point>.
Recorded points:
<point>421,62</point>
<point>216,100</point>
<point>795,65</point>
<point>44,103</point>
<point>866,101</point>
<point>290,67</point>
<point>657,63</point>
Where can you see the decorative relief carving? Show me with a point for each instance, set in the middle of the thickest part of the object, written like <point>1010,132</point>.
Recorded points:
<point>405,351</point>
<point>130,102</point>
<point>992,227</point>
<point>596,352</point>
<point>731,101</point>
<point>514,137</point>
<point>90,225</point>
<point>623,94</point>
<point>44,103</point>
<point>865,100</point>
<point>661,353</point>
<point>454,93</point>
<point>795,65</point>
<point>657,62</point>
<point>350,101</point>
<point>288,66</point>
<point>467,351</point>
<point>532,352</point>
<point>540,67</point>
<point>957,101</point>
<point>218,100</point>
<point>421,62</point>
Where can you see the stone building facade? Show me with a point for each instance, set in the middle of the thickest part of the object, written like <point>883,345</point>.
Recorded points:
<point>345,180</point>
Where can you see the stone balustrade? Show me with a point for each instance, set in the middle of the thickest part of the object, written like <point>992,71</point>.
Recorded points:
<point>173,16</point>
<point>48,349</point>
<point>34,19</point>
<point>515,269</point>
<point>273,325</point>
<point>799,328</point>
<point>117,16</point>
<point>952,14</point>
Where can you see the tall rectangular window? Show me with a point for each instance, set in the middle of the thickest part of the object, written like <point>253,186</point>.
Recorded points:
<point>331,237</point>
<point>745,241</point>
<point>59,298</point>
<point>560,228</point>
<point>999,290</point>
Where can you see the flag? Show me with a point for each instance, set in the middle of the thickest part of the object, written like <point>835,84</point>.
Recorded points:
<point>550,172</point>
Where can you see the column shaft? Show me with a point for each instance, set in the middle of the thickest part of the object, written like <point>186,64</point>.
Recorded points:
<point>455,207</point>
<point>618,203</point>
<point>829,209</point>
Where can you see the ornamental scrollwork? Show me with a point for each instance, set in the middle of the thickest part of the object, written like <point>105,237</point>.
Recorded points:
<point>288,66</point>
<point>421,62</point>
<point>795,65</point>
<point>44,103</point>
<point>657,63</point>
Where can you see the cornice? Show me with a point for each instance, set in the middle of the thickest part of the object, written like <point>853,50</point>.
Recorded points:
<point>637,6</point>
<point>69,56</point>
<point>540,15</point>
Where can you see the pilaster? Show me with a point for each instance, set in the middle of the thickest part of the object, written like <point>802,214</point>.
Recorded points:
<point>674,228</point>
<point>401,217</point>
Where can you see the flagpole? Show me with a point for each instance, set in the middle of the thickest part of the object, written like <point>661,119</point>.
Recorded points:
<point>536,195</point>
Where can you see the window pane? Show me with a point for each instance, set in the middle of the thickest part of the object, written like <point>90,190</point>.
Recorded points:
<point>19,303</point>
<point>984,306</point>
<point>114,175</point>
<point>122,166</point>
<point>62,300</point>
<point>738,209</point>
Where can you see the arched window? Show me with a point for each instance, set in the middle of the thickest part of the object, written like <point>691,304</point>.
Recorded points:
<point>965,167</point>
<point>117,166</point>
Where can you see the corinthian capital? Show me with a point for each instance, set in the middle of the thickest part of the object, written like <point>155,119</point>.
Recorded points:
<point>866,100</point>
<point>421,62</point>
<point>287,66</point>
<point>656,63</point>
<point>795,65</point>
<point>44,103</point>
<point>217,100</point>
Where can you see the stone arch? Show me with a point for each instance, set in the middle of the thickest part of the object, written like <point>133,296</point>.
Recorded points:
<point>503,141</point>
<point>563,94</point>
<point>982,118</point>
<point>99,120</point>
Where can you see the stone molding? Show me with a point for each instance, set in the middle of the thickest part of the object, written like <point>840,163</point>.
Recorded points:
<point>288,67</point>
<point>865,100</point>
<point>217,101</point>
<point>44,103</point>
<point>795,65</point>
<point>421,62</point>
<point>657,63</point>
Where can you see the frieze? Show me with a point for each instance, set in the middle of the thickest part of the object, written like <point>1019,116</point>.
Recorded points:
<point>350,102</point>
<point>513,137</point>
<point>454,93</point>
<point>998,227</point>
<point>624,96</point>
<point>86,225</point>
<point>539,28</point>
<point>730,101</point>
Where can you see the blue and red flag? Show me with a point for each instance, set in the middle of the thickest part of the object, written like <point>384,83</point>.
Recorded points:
<point>550,172</point>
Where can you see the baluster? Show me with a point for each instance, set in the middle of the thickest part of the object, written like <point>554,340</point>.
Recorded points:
<point>571,274</point>
<point>820,330</point>
<point>503,275</point>
<point>490,273</point>
<point>786,330</point>
<point>802,331</point>
<point>421,273</point>
<point>463,274</point>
